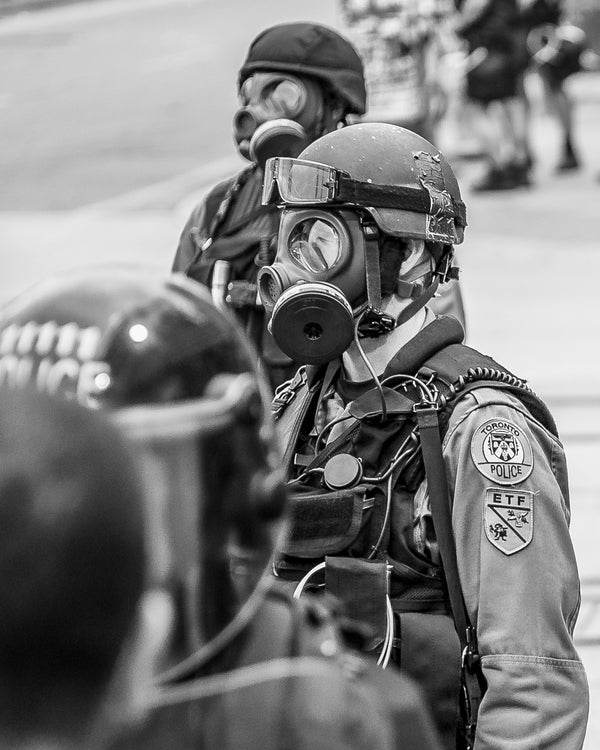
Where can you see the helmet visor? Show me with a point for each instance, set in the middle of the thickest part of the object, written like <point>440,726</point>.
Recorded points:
<point>205,546</point>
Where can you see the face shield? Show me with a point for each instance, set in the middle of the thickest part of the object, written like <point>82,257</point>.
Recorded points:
<point>209,547</point>
<point>180,381</point>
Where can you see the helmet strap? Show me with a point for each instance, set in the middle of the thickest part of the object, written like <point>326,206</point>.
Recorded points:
<point>373,322</point>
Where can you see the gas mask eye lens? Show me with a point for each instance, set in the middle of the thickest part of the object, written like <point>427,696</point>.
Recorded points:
<point>287,96</point>
<point>315,245</point>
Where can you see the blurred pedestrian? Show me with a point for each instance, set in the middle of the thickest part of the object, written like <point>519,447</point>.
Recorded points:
<point>495,67</point>
<point>247,665</point>
<point>403,45</point>
<point>72,575</point>
<point>557,50</point>
<point>428,484</point>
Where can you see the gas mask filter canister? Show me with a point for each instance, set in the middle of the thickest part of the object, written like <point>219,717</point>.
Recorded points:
<point>312,323</point>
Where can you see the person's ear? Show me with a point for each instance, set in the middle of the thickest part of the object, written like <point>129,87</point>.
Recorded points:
<point>414,254</point>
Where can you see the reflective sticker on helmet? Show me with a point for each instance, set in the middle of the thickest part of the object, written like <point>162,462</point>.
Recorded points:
<point>54,358</point>
<point>508,519</point>
<point>440,220</point>
<point>501,451</point>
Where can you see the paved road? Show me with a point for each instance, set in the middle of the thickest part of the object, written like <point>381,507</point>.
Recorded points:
<point>530,263</point>
<point>103,97</point>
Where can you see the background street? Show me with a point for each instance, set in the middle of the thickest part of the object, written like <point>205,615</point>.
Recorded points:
<point>115,117</point>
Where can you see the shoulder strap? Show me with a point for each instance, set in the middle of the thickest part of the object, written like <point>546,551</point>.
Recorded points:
<point>473,681</point>
<point>459,369</point>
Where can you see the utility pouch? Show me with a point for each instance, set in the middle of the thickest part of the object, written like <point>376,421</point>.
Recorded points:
<point>324,523</point>
<point>363,587</point>
<point>427,648</point>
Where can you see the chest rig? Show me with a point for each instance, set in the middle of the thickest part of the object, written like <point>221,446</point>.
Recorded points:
<point>352,495</point>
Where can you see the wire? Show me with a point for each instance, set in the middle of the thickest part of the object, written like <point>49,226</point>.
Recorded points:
<point>300,587</point>
<point>388,507</point>
<point>423,388</point>
<point>369,366</point>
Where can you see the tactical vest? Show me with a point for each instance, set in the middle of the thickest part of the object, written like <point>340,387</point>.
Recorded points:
<point>343,513</point>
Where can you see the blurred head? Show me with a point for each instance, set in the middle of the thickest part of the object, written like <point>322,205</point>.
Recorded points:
<point>72,565</point>
<point>298,81</point>
<point>179,379</point>
<point>370,211</point>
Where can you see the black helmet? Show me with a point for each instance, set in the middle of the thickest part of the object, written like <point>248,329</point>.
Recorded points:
<point>182,383</point>
<point>313,50</point>
<point>424,202</point>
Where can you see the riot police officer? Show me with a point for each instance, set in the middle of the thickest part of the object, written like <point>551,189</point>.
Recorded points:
<point>245,665</point>
<point>419,468</point>
<point>72,570</point>
<point>298,82</point>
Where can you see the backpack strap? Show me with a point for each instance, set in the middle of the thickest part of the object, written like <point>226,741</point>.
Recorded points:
<point>472,680</point>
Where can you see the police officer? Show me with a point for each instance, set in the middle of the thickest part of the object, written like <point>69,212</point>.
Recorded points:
<point>245,665</point>
<point>429,488</point>
<point>72,575</point>
<point>298,82</point>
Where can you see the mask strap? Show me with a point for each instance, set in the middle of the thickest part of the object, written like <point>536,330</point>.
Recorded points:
<point>372,269</point>
<point>417,303</point>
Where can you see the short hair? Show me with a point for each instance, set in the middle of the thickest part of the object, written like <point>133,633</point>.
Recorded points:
<point>72,560</point>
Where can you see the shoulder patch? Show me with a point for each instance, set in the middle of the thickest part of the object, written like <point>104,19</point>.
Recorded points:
<point>508,518</point>
<point>501,451</point>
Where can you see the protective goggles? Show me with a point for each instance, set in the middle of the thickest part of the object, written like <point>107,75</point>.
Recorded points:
<point>299,182</point>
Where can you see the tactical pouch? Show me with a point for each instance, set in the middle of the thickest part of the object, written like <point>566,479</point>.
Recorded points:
<point>362,586</point>
<point>325,523</point>
<point>427,648</point>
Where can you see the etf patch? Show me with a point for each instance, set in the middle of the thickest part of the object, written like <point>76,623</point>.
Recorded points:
<point>508,518</point>
<point>502,452</point>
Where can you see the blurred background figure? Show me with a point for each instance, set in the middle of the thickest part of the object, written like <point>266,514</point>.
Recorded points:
<point>405,46</point>
<point>494,69</point>
<point>297,82</point>
<point>72,575</point>
<point>558,49</point>
<point>246,666</point>
<point>402,45</point>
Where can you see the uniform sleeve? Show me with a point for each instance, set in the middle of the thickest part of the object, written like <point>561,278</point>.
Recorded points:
<point>193,235</point>
<point>518,572</point>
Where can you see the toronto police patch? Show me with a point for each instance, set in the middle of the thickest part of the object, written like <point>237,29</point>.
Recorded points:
<point>508,518</point>
<point>502,452</point>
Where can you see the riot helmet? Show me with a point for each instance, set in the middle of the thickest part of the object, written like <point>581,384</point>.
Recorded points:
<point>354,201</point>
<point>181,382</point>
<point>293,78</point>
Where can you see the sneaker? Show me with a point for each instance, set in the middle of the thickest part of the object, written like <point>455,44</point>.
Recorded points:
<point>496,178</point>
<point>568,162</point>
<point>520,173</point>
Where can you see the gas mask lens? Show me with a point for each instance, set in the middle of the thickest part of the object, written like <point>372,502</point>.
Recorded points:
<point>274,97</point>
<point>315,245</point>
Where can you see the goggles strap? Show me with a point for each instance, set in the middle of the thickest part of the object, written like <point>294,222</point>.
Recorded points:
<point>372,269</point>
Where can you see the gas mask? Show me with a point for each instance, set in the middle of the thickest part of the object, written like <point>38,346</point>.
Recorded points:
<point>279,115</point>
<point>327,261</point>
<point>318,273</point>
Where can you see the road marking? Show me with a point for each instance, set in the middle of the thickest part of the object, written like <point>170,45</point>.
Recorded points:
<point>85,12</point>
